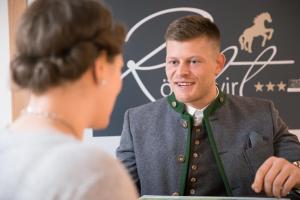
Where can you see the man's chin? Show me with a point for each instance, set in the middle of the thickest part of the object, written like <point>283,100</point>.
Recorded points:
<point>183,99</point>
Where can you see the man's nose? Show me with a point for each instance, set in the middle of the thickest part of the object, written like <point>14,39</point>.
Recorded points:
<point>183,69</point>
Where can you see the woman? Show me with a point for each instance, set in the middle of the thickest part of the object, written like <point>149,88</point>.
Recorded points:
<point>69,58</point>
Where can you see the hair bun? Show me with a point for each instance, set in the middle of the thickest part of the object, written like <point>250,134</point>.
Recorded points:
<point>22,68</point>
<point>34,73</point>
<point>45,72</point>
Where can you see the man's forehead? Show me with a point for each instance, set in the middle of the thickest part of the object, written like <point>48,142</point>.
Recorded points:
<point>197,45</point>
<point>187,57</point>
<point>197,38</point>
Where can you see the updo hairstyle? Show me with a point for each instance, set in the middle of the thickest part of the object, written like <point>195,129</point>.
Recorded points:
<point>57,41</point>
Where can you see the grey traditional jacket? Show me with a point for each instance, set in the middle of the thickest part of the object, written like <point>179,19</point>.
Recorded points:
<point>243,132</point>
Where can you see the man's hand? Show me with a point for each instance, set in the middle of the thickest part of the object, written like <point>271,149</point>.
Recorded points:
<point>276,176</point>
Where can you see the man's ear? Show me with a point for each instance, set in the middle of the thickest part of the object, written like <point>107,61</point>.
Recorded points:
<point>220,63</point>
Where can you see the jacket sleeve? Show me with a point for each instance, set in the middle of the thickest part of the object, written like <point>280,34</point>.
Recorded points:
<point>125,151</point>
<point>286,144</point>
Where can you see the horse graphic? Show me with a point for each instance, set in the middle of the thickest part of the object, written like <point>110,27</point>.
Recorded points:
<point>257,29</point>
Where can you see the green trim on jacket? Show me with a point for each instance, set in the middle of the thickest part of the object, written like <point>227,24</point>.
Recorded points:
<point>188,121</point>
<point>216,104</point>
<point>180,108</point>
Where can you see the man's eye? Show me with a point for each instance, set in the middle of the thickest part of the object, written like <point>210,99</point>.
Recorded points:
<point>195,61</point>
<point>172,62</point>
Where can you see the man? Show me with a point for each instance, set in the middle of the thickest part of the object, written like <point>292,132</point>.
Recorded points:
<point>199,141</point>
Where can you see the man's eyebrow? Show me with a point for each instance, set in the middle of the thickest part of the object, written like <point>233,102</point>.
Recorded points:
<point>171,57</point>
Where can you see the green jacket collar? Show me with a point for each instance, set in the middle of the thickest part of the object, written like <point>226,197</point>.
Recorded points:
<point>180,107</point>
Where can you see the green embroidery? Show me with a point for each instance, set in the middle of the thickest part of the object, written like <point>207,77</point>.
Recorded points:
<point>180,108</point>
<point>208,112</point>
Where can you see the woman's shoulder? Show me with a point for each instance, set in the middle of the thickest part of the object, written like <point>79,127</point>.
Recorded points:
<point>84,157</point>
<point>82,171</point>
<point>97,172</point>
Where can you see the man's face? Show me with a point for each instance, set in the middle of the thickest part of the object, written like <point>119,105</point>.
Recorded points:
<point>191,68</point>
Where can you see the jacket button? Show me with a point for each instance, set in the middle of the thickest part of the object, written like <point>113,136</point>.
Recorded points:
<point>175,194</point>
<point>174,104</point>
<point>184,124</point>
<point>180,158</point>
<point>195,155</point>
<point>193,179</point>
<point>221,99</point>
<point>194,167</point>
<point>197,142</point>
<point>192,191</point>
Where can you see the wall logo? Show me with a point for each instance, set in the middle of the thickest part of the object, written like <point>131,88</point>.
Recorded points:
<point>261,54</point>
<point>257,29</point>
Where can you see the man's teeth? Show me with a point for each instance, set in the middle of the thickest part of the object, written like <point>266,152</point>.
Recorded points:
<point>184,84</point>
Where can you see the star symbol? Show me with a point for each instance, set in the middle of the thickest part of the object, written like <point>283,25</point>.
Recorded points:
<point>270,86</point>
<point>259,87</point>
<point>281,86</point>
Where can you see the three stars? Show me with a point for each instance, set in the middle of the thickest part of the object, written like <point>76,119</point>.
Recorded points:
<point>270,86</point>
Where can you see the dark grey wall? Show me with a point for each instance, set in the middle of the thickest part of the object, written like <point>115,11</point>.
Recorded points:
<point>277,62</point>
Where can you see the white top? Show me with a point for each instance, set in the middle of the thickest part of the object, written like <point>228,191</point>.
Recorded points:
<point>55,166</point>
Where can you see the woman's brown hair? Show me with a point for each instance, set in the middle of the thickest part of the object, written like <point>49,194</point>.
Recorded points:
<point>58,40</point>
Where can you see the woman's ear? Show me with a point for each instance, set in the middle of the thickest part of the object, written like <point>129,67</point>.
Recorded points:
<point>98,70</point>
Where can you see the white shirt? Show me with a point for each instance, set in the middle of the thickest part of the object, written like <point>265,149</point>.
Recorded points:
<point>198,113</point>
